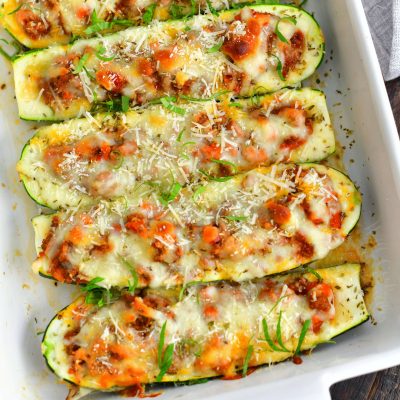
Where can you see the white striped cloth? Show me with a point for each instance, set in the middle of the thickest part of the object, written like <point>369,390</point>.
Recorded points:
<point>384,21</point>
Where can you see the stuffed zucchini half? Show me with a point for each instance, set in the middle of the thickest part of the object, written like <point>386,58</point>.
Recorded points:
<point>40,23</point>
<point>266,221</point>
<point>204,331</point>
<point>255,49</point>
<point>82,161</point>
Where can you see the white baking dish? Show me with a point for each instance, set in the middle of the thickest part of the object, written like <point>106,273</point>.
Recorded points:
<point>364,108</point>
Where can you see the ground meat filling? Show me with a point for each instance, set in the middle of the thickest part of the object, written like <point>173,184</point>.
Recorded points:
<point>293,52</point>
<point>34,26</point>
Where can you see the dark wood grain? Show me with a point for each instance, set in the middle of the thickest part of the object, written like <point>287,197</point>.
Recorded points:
<point>382,385</point>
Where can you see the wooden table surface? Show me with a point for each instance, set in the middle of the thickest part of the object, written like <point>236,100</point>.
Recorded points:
<point>382,385</point>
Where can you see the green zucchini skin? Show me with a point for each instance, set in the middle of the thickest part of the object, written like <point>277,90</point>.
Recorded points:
<point>139,250</point>
<point>29,84</point>
<point>350,311</point>
<point>50,190</point>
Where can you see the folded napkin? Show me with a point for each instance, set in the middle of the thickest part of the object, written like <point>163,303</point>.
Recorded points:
<point>384,20</point>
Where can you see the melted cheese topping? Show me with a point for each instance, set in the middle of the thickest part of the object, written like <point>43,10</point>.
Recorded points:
<point>259,223</point>
<point>108,157</point>
<point>199,57</point>
<point>212,328</point>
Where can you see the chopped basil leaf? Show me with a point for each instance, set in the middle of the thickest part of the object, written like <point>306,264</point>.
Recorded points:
<point>98,295</point>
<point>225,162</point>
<point>132,285</point>
<point>149,14</point>
<point>249,353</point>
<point>125,103</point>
<point>179,138</point>
<point>235,104</point>
<point>93,284</point>
<point>268,339</point>
<point>164,358</point>
<point>101,50</point>
<point>198,192</point>
<point>214,48</point>
<point>315,273</point>
<point>167,102</point>
<point>97,24</point>
<point>279,333</point>
<point>168,197</point>
<point>213,11</point>
<point>235,218</point>
<point>184,287</point>
<point>81,64</point>
<point>176,11</point>
<point>214,178</point>
<point>303,334</point>
<point>279,33</point>
<point>279,68</point>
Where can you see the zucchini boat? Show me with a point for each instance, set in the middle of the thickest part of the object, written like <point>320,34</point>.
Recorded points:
<point>255,49</point>
<point>84,160</point>
<point>203,331</point>
<point>40,23</point>
<point>266,221</point>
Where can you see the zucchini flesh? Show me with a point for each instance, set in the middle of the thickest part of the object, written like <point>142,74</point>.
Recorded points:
<point>83,161</point>
<point>210,329</point>
<point>198,58</point>
<point>266,221</point>
<point>68,19</point>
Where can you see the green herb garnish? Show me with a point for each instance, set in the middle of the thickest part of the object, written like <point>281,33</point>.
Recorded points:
<point>279,68</point>
<point>81,64</point>
<point>101,50</point>
<point>214,48</point>
<point>149,14</point>
<point>184,287</point>
<point>168,197</point>
<point>315,273</point>
<point>125,103</point>
<point>93,284</point>
<point>96,294</point>
<point>164,358</point>
<point>303,334</point>
<point>168,103</point>
<point>214,178</point>
<point>176,11</point>
<point>235,104</point>
<point>132,284</point>
<point>198,192</point>
<point>277,303</point>
<point>279,33</point>
<point>250,350</point>
<point>225,162</point>
<point>213,11</point>
<point>179,138</point>
<point>278,335</point>
<point>235,218</point>
<point>97,24</point>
